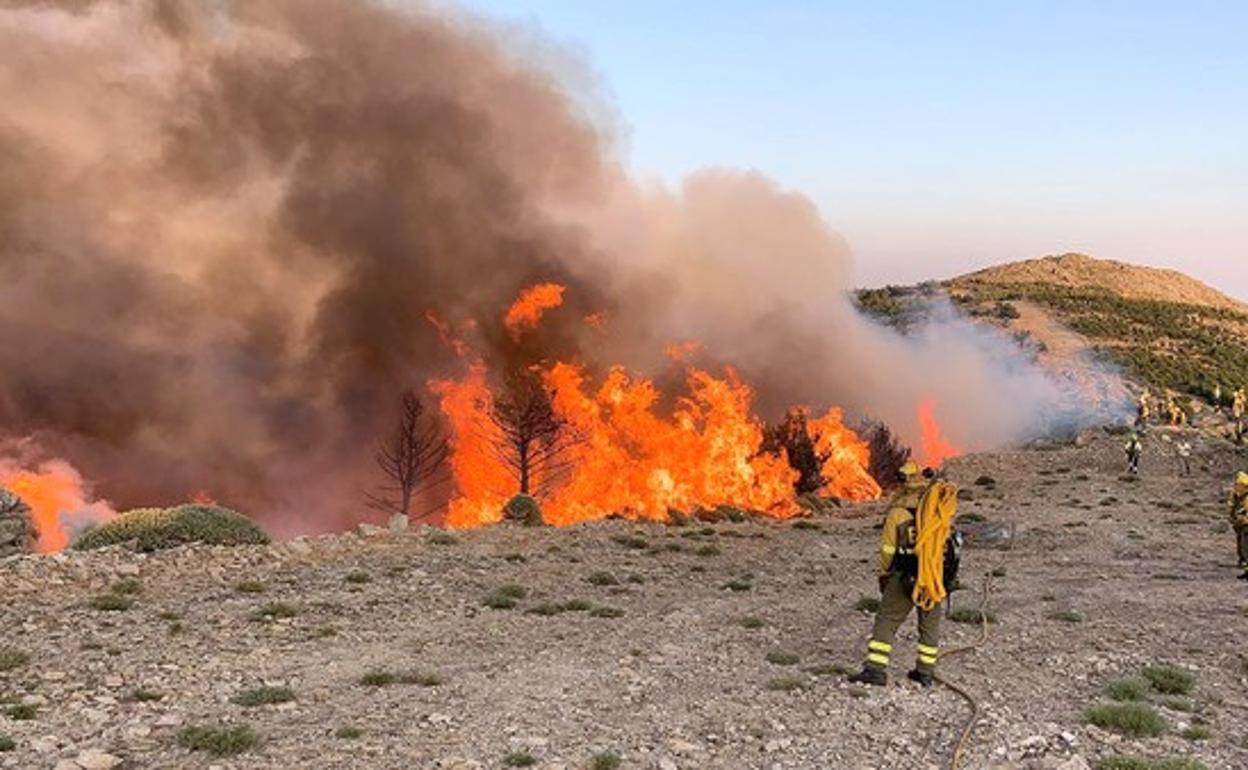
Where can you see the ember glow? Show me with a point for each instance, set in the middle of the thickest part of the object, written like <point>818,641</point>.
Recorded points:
<point>527,310</point>
<point>58,501</point>
<point>935,447</point>
<point>631,459</point>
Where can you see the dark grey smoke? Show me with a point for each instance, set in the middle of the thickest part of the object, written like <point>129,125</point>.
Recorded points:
<point>222,224</point>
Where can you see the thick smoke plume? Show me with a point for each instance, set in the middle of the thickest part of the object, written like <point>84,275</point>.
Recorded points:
<point>222,226</point>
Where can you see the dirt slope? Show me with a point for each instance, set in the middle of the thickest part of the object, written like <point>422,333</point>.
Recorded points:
<point>1124,280</point>
<point>1105,577</point>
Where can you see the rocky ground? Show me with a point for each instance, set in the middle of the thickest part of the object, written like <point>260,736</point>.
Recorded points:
<point>704,646</point>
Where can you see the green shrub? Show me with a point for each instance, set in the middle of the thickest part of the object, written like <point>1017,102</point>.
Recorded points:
<point>1140,763</point>
<point>1198,733</point>
<point>12,658</point>
<point>264,696</point>
<point>603,579</point>
<point>249,587</point>
<point>111,603</point>
<point>153,529</point>
<point>1129,688</point>
<point>358,577</point>
<point>219,740</point>
<point>378,679</point>
<point>275,610</point>
<point>607,760</point>
<point>519,759</point>
<point>127,587</point>
<point>443,538</point>
<point>606,612</point>
<point>786,683</point>
<point>633,542</point>
<point>1133,719</point>
<point>783,658</point>
<point>348,733</point>
<point>751,622</point>
<point>6,743</point>
<point>21,712</point>
<point>144,696</point>
<point>524,509</point>
<point>867,604</point>
<point>967,615</point>
<point>1169,680</point>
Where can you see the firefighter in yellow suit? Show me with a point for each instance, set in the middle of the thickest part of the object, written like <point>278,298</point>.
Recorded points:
<point>896,578</point>
<point>1238,513</point>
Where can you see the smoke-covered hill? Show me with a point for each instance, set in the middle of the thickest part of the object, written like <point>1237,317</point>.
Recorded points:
<point>1165,329</point>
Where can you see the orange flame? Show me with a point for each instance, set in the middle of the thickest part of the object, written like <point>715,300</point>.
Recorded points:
<point>627,459</point>
<point>527,311</point>
<point>597,321</point>
<point>57,500</point>
<point>936,448</point>
<point>681,351</point>
<point>203,497</point>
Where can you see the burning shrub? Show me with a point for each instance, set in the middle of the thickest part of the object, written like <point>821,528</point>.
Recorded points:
<point>153,529</point>
<point>887,455</point>
<point>16,533</point>
<point>792,434</point>
<point>524,509</point>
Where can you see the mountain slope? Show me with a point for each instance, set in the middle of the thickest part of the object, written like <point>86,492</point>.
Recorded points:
<point>1079,271</point>
<point>1164,328</point>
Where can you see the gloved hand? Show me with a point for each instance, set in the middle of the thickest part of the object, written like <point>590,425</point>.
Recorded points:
<point>883,582</point>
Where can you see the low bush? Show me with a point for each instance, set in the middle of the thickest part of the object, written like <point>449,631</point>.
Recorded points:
<point>219,740</point>
<point>1133,719</point>
<point>264,696</point>
<point>12,658</point>
<point>1169,680</point>
<point>1128,688</point>
<point>153,529</point>
<point>523,509</point>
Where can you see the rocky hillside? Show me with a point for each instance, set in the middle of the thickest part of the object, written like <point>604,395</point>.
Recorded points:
<point>1165,329</point>
<point>1116,637</point>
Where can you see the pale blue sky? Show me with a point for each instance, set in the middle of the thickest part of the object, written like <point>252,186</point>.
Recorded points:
<point>941,136</point>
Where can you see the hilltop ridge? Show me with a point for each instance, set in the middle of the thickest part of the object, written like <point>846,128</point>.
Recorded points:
<point>1123,279</point>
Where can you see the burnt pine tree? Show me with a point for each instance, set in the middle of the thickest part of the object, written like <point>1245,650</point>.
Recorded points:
<point>528,436</point>
<point>410,458</point>
<point>793,436</point>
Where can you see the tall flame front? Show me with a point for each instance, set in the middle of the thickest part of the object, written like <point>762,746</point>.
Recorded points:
<point>629,459</point>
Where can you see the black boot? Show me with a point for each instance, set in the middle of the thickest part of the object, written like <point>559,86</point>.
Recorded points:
<point>870,675</point>
<point>1243,575</point>
<point>922,677</point>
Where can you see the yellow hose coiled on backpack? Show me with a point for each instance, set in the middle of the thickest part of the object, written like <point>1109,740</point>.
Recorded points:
<point>933,522</point>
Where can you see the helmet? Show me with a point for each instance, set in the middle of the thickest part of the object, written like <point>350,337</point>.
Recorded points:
<point>1241,482</point>
<point>911,468</point>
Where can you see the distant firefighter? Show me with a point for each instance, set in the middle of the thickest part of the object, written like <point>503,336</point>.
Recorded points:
<point>1238,513</point>
<point>1143,409</point>
<point>1184,451</point>
<point>1239,404</point>
<point>1133,449</point>
<point>1174,412</point>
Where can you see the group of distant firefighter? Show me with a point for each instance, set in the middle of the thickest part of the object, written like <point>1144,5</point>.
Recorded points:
<point>1168,410</point>
<point>1172,413</point>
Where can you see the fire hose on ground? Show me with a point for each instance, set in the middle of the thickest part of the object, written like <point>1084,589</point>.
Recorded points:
<point>959,748</point>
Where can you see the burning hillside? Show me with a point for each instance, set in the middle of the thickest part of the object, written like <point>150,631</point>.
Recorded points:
<point>223,227</point>
<point>592,447</point>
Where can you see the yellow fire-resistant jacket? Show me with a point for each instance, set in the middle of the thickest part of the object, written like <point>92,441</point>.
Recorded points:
<point>899,523</point>
<point>1239,509</point>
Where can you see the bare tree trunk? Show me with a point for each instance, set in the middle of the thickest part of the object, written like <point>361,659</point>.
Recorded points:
<point>410,459</point>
